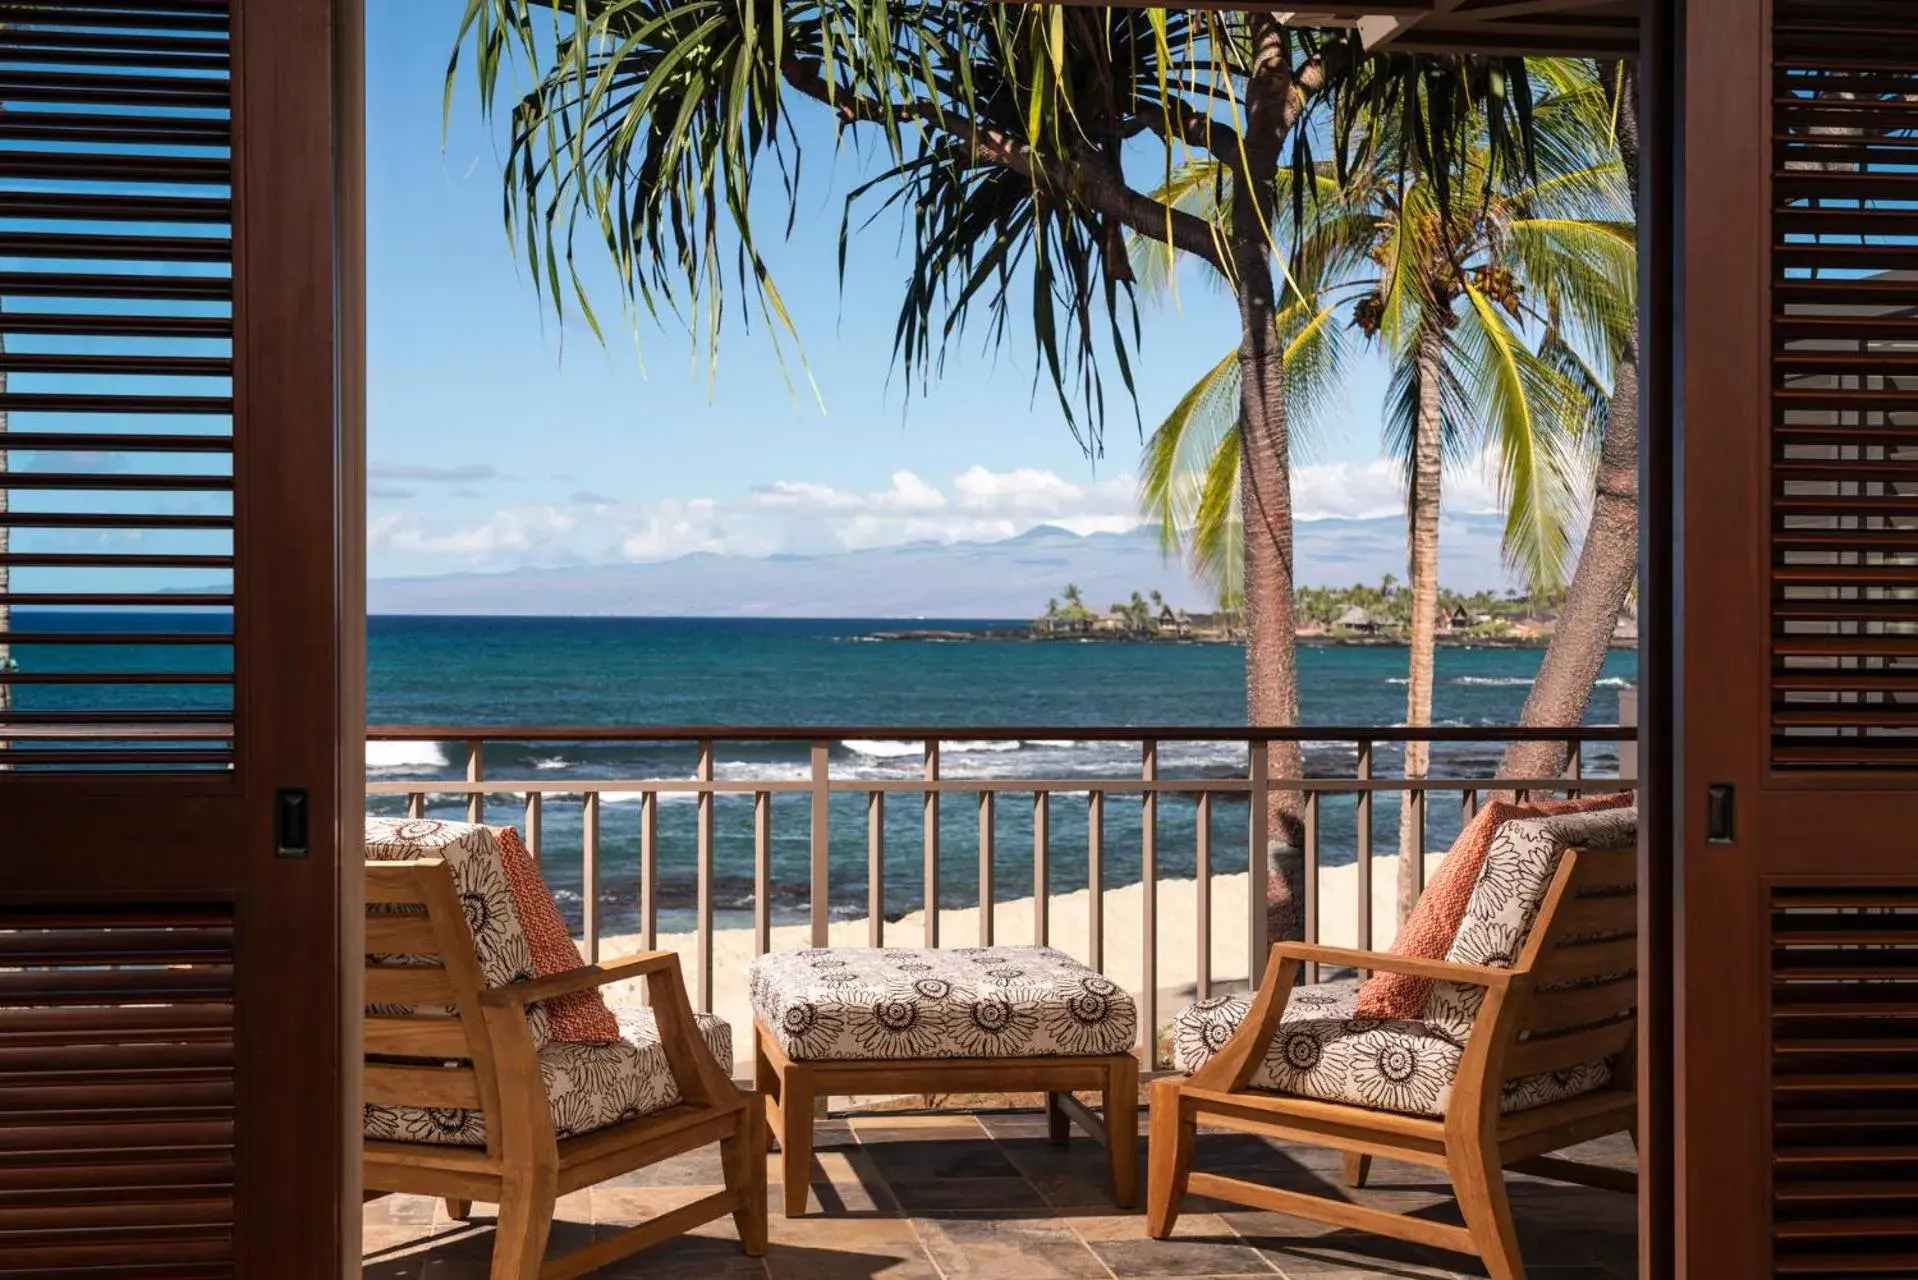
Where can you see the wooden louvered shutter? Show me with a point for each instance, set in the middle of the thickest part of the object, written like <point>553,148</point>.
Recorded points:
<point>1797,958</point>
<point>178,597</point>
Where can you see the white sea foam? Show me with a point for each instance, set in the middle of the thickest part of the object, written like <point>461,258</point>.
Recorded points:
<point>882,750</point>
<point>1496,682</point>
<point>553,763</point>
<point>405,756</point>
<point>889,750</point>
<point>1612,682</point>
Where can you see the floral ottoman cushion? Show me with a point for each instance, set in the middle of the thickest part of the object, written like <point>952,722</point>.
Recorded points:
<point>1323,1050</point>
<point>854,1004</point>
<point>590,1086</point>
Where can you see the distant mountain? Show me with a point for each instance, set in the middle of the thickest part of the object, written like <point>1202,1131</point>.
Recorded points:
<point>1012,578</point>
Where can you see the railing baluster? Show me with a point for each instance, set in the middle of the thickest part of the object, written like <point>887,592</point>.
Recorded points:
<point>703,873</point>
<point>876,869</point>
<point>1418,851</point>
<point>1202,884</point>
<point>416,805</point>
<point>931,876</point>
<point>475,772</point>
<point>1469,806</point>
<point>820,845</point>
<point>535,801</point>
<point>589,876</point>
<point>1149,907</point>
<point>649,871</point>
<point>1259,923</point>
<point>1041,868</point>
<point>762,872</point>
<point>1575,763</point>
<point>1311,886</point>
<point>987,842</point>
<point>1364,846</point>
<point>1096,879</point>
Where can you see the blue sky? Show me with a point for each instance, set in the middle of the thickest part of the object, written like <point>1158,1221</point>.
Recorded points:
<point>500,438</point>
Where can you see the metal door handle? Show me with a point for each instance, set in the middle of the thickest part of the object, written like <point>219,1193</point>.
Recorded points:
<point>292,823</point>
<point>1720,816</point>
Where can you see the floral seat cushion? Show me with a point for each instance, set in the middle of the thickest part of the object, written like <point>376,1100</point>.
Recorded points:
<point>855,1004</point>
<point>590,1086</point>
<point>1323,1050</point>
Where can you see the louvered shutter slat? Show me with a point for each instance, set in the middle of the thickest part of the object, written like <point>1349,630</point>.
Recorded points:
<point>116,210</point>
<point>1844,388</point>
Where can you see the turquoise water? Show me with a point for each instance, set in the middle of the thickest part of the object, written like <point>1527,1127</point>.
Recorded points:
<point>644,671</point>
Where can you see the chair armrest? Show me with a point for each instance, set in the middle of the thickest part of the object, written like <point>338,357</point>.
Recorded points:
<point>1476,975</point>
<point>583,978</point>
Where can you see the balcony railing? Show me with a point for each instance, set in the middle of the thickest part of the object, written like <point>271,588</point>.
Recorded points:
<point>852,783</point>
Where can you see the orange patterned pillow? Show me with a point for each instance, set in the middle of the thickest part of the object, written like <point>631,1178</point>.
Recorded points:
<point>1434,922</point>
<point>581,1017</point>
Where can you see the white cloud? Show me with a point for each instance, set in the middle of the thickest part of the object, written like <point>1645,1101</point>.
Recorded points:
<point>805,516</point>
<point>1363,491</point>
<point>519,533</point>
<point>667,529</point>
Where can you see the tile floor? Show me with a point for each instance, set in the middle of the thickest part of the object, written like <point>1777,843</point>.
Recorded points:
<point>950,1197</point>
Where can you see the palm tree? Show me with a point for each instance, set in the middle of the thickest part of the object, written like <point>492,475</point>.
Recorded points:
<point>1499,320</point>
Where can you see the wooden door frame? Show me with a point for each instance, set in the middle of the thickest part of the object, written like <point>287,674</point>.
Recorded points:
<point>349,274</point>
<point>1660,438</point>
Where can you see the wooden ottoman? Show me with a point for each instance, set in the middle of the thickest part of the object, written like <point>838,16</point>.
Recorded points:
<point>837,1021</point>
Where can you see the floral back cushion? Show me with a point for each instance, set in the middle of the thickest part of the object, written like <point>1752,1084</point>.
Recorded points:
<point>472,857</point>
<point>1507,896</point>
<point>1430,930</point>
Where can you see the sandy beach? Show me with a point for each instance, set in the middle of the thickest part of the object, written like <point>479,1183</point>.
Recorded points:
<point>1012,925</point>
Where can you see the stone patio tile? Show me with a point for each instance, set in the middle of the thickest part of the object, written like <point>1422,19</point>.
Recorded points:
<point>966,1194</point>
<point>922,1159</point>
<point>1201,1244</point>
<point>1008,1249</point>
<point>871,1127</point>
<point>829,1248</point>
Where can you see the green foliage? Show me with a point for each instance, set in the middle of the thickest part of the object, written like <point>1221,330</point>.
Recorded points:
<point>1531,283</point>
<point>668,131</point>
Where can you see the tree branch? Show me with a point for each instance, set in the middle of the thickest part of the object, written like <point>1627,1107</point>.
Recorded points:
<point>1086,177</point>
<point>1179,122</point>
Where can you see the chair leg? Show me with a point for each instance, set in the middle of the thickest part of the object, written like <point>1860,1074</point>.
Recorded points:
<point>795,1136</point>
<point>1480,1183</point>
<point>1122,1129</point>
<point>525,1220</point>
<point>1058,1123</point>
<point>1357,1169</point>
<point>743,1157</point>
<point>1168,1158</point>
<point>459,1210</point>
<point>765,1076</point>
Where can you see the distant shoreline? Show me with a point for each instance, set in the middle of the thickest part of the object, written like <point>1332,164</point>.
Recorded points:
<point>1023,635</point>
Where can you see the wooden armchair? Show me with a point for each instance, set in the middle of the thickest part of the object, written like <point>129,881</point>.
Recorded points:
<point>465,1050</point>
<point>1568,1002</point>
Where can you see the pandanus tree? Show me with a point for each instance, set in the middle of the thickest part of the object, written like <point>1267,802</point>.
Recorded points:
<point>1501,307</point>
<point>669,133</point>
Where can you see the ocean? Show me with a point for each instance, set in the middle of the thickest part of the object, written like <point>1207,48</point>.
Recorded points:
<point>727,672</point>
<point>646,671</point>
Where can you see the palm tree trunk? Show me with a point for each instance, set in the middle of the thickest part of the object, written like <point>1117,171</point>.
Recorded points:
<point>1428,467</point>
<point>1608,561</point>
<point>1265,475</point>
